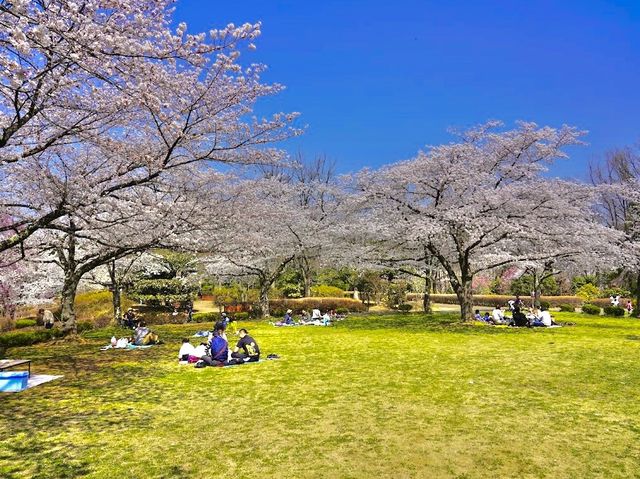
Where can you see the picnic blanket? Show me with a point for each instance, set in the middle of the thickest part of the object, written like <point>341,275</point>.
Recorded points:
<point>201,334</point>
<point>38,379</point>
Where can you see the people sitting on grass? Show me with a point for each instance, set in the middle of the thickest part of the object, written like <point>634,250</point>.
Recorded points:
<point>543,318</point>
<point>477,316</point>
<point>130,320</point>
<point>519,319</point>
<point>497,316</point>
<point>316,315</point>
<point>186,350</point>
<point>218,349</point>
<point>288,318</point>
<point>250,349</point>
<point>486,318</point>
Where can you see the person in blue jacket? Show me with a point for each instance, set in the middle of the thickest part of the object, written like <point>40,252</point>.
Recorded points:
<point>218,349</point>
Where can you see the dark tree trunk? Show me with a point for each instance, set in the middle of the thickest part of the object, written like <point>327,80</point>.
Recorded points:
<point>465,299</point>
<point>116,298</point>
<point>264,298</point>
<point>428,285</point>
<point>636,306</point>
<point>305,271</point>
<point>68,311</point>
<point>116,293</point>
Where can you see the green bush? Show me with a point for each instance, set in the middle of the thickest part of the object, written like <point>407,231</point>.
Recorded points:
<point>324,291</point>
<point>567,308</point>
<point>279,306</point>
<point>614,311</point>
<point>85,326</point>
<point>608,292</point>
<point>544,304</point>
<point>27,338</point>
<point>163,291</point>
<point>588,292</point>
<point>591,309</point>
<point>25,323</point>
<point>205,317</point>
<point>342,310</point>
<point>243,316</point>
<point>405,307</point>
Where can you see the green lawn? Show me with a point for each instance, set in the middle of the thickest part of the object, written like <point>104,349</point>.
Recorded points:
<point>380,396</point>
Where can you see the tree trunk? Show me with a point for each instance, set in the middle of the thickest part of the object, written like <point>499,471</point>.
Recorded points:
<point>116,298</point>
<point>305,271</point>
<point>465,298</point>
<point>68,311</point>
<point>116,291</point>
<point>636,306</point>
<point>537,289</point>
<point>428,286</point>
<point>264,298</point>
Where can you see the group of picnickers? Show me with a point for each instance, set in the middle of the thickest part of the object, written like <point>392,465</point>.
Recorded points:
<point>535,317</point>
<point>215,350</point>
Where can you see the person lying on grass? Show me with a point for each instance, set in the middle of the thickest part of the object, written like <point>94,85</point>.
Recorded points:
<point>143,336</point>
<point>251,350</point>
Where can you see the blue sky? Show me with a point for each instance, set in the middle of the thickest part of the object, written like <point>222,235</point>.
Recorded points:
<point>376,81</point>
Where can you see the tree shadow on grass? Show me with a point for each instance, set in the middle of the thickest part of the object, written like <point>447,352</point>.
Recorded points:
<point>420,322</point>
<point>100,391</point>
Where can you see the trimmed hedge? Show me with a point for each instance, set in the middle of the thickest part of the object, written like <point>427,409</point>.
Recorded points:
<point>567,308</point>
<point>279,306</point>
<point>591,309</point>
<point>25,323</point>
<point>614,311</point>
<point>405,308</point>
<point>205,317</point>
<point>27,338</point>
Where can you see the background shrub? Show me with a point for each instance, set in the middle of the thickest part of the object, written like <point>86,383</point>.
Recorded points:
<point>544,304</point>
<point>567,308</point>
<point>279,306</point>
<point>405,307</point>
<point>614,311</point>
<point>324,291</point>
<point>205,317</point>
<point>588,292</point>
<point>27,338</point>
<point>25,323</point>
<point>608,292</point>
<point>342,310</point>
<point>591,309</point>
<point>242,316</point>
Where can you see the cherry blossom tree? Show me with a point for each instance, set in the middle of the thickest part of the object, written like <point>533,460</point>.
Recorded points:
<point>112,79</point>
<point>617,179</point>
<point>474,203</point>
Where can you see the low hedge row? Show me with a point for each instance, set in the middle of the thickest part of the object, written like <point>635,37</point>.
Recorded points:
<point>502,299</point>
<point>25,323</point>
<point>279,306</point>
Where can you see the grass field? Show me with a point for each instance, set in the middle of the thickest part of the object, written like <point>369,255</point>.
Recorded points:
<point>380,396</point>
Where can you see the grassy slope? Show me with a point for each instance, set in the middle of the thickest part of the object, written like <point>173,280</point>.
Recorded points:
<point>388,396</point>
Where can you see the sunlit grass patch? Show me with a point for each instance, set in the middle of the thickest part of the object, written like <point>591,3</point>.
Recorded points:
<point>403,395</point>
